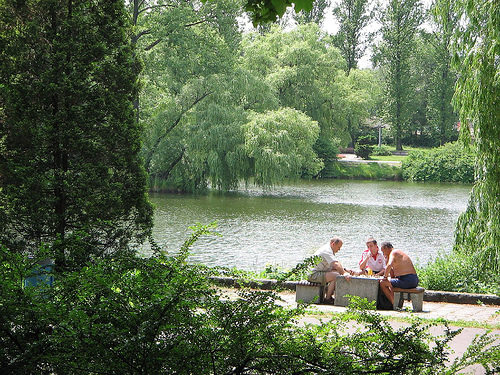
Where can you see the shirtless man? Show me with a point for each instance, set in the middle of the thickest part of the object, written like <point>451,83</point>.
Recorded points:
<point>399,268</point>
<point>329,268</point>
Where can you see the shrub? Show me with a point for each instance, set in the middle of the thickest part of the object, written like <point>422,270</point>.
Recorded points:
<point>448,163</point>
<point>161,315</point>
<point>364,148</point>
<point>382,151</point>
<point>364,171</point>
<point>458,273</point>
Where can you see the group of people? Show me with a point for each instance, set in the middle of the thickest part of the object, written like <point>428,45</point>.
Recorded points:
<point>395,267</point>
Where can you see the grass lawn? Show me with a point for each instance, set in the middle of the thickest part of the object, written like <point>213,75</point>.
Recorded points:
<point>388,158</point>
<point>396,157</point>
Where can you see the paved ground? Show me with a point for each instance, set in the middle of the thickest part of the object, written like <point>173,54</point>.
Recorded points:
<point>483,317</point>
<point>474,320</point>
<point>487,315</point>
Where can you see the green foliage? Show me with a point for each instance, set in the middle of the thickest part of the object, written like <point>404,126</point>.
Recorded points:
<point>442,75</point>
<point>316,14</point>
<point>197,104</point>
<point>382,151</point>
<point>364,147</point>
<point>352,38</point>
<point>449,163</point>
<point>363,151</point>
<point>194,98</point>
<point>327,153</point>
<point>477,95</point>
<point>269,11</point>
<point>301,66</point>
<point>161,315</point>
<point>70,171</point>
<point>458,273</point>
<point>300,272</point>
<point>364,171</point>
<point>400,21</point>
<point>360,96</point>
<point>280,143</point>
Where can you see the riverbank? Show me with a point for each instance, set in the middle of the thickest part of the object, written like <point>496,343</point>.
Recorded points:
<point>350,166</point>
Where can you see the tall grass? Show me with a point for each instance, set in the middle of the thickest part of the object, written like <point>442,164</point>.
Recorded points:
<point>458,273</point>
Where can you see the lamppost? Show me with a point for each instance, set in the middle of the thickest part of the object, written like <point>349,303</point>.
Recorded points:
<point>380,126</point>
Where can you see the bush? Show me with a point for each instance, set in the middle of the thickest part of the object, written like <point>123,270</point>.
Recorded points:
<point>458,273</point>
<point>161,315</point>
<point>363,151</point>
<point>448,163</point>
<point>364,171</point>
<point>364,147</point>
<point>382,151</point>
<point>327,152</point>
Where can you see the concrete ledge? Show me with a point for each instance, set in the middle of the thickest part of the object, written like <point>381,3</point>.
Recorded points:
<point>429,295</point>
<point>467,298</point>
<point>264,284</point>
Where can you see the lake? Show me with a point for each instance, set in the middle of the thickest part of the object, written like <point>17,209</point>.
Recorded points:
<point>285,225</point>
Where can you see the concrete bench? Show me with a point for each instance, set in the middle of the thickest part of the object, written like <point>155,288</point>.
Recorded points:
<point>415,295</point>
<point>308,292</point>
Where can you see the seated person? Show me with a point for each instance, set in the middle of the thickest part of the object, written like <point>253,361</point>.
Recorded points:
<point>401,270</point>
<point>372,258</point>
<point>329,268</point>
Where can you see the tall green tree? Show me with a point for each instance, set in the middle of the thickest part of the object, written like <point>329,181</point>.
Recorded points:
<point>301,66</point>
<point>477,52</point>
<point>316,14</point>
<point>360,95</point>
<point>443,77</point>
<point>419,131</point>
<point>188,98</point>
<point>400,21</point>
<point>71,175</point>
<point>352,39</point>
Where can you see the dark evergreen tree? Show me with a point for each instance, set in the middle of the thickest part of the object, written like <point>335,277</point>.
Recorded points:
<point>71,176</point>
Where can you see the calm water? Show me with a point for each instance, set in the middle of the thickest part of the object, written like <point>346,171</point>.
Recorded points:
<point>286,225</point>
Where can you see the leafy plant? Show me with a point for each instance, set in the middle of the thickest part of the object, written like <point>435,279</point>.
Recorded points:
<point>449,163</point>
<point>161,315</point>
<point>457,272</point>
<point>364,147</point>
<point>382,151</point>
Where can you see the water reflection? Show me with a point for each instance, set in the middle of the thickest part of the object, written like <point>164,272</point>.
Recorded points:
<point>287,224</point>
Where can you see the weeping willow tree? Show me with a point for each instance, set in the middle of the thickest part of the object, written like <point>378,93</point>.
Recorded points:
<point>280,145</point>
<point>477,56</point>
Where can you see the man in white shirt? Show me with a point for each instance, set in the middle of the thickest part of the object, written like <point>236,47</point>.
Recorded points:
<point>329,268</point>
<point>372,258</point>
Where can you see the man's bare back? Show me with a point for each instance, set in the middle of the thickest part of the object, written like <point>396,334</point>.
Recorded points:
<point>401,263</point>
<point>401,270</point>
